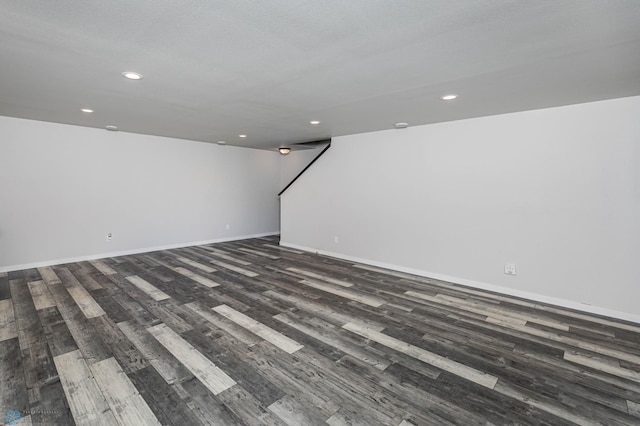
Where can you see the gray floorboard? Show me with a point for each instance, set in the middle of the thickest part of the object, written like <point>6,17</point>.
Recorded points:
<point>248,333</point>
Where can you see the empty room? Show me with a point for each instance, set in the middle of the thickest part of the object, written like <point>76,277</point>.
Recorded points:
<point>362,212</point>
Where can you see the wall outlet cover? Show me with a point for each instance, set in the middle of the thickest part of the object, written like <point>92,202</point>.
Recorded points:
<point>510,269</point>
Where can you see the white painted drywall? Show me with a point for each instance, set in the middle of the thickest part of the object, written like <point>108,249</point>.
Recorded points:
<point>294,163</point>
<point>555,191</point>
<point>62,188</point>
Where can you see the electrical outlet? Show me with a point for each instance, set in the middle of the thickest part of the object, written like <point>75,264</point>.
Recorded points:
<point>336,240</point>
<point>510,269</point>
<point>109,236</point>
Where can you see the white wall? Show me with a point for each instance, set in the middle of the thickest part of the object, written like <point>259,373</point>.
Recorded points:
<point>556,191</point>
<point>62,188</point>
<point>294,163</point>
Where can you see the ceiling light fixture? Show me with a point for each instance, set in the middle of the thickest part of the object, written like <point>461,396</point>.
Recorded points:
<point>87,110</point>
<point>111,127</point>
<point>401,125</point>
<point>314,122</point>
<point>222,143</point>
<point>242,136</point>
<point>131,75</point>
<point>448,97</point>
<point>284,150</point>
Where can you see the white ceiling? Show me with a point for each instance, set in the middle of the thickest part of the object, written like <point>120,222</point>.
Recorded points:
<point>216,69</point>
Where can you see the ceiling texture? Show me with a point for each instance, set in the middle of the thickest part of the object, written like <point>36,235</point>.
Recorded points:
<point>216,69</point>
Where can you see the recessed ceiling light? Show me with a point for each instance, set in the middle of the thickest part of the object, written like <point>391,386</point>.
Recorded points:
<point>314,122</point>
<point>284,150</point>
<point>242,136</point>
<point>111,127</point>
<point>87,110</point>
<point>448,97</point>
<point>131,75</point>
<point>401,125</point>
<point>222,143</point>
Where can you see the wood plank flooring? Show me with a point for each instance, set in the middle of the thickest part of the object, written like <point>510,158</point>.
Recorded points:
<point>248,333</point>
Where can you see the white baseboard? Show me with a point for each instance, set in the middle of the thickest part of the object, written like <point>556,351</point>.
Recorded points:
<point>564,303</point>
<point>127,252</point>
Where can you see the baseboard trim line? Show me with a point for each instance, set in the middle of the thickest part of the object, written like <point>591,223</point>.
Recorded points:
<point>478,285</point>
<point>41,264</point>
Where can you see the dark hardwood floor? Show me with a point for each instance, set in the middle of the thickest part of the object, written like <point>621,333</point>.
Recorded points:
<point>250,333</point>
